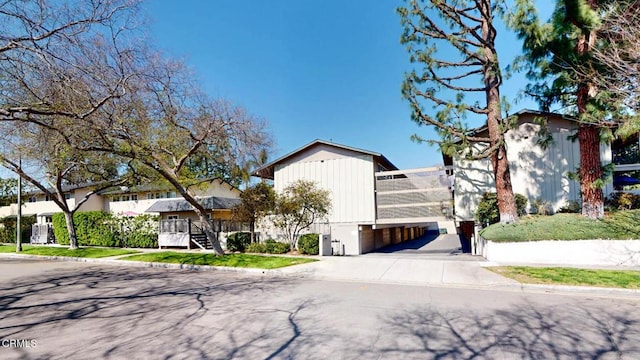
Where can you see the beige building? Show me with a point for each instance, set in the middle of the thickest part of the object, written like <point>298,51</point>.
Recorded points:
<point>373,203</point>
<point>121,201</point>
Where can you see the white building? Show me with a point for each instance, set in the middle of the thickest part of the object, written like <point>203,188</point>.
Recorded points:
<point>537,172</point>
<point>119,201</point>
<point>373,203</point>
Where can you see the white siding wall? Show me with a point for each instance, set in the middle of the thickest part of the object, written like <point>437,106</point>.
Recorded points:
<point>348,179</point>
<point>535,172</point>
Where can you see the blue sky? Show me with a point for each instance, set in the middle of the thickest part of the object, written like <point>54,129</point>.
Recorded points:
<point>327,69</point>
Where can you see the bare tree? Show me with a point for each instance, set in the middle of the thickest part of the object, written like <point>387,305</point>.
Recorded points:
<point>54,167</point>
<point>433,30</point>
<point>76,50</point>
<point>618,60</point>
<point>165,120</point>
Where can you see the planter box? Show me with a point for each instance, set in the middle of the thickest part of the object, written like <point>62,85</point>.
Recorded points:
<point>577,252</point>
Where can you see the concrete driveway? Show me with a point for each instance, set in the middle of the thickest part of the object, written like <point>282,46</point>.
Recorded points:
<point>432,259</point>
<point>445,246</point>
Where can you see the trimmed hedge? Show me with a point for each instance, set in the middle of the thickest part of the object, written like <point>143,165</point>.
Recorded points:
<point>238,241</point>
<point>270,246</point>
<point>8,230</point>
<point>97,228</point>
<point>136,232</point>
<point>309,244</point>
<point>274,247</point>
<point>258,248</point>
<point>92,229</point>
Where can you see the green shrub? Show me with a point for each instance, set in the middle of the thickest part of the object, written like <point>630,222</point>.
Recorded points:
<point>259,248</point>
<point>274,247</point>
<point>622,201</point>
<point>238,241</point>
<point>8,229</point>
<point>309,244</point>
<point>487,212</point>
<point>572,207</point>
<point>92,229</point>
<point>135,232</point>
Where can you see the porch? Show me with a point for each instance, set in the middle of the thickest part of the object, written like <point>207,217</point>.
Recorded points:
<point>42,234</point>
<point>190,233</point>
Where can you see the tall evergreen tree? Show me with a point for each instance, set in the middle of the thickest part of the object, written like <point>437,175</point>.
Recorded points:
<point>559,57</point>
<point>433,30</point>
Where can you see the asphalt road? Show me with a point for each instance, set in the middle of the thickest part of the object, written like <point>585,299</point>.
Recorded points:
<point>66,310</point>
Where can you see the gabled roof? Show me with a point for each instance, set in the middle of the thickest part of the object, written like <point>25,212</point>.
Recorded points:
<point>484,127</point>
<point>267,171</point>
<point>150,187</point>
<point>209,203</point>
<point>65,188</point>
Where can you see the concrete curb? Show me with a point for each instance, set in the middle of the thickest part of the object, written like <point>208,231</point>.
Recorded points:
<point>559,289</point>
<point>585,290</point>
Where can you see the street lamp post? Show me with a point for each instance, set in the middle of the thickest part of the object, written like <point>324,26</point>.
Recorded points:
<point>19,217</point>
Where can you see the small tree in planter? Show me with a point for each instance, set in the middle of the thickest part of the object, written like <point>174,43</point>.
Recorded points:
<point>300,204</point>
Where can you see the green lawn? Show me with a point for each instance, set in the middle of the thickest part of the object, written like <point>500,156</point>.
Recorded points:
<point>231,260</point>
<point>571,276</point>
<point>617,225</point>
<point>85,252</point>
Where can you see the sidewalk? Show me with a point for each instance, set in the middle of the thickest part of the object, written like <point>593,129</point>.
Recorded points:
<point>418,271</point>
<point>454,271</point>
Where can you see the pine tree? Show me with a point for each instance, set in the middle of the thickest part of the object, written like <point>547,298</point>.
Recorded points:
<point>433,30</point>
<point>559,57</point>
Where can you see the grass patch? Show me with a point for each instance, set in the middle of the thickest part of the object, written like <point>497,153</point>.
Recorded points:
<point>85,252</point>
<point>619,225</point>
<point>571,276</point>
<point>231,260</point>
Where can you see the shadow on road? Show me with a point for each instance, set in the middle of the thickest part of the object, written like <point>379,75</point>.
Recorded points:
<point>149,313</point>
<point>117,313</point>
<point>523,332</point>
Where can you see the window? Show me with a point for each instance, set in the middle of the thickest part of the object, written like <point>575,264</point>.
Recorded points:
<point>48,219</point>
<point>134,197</point>
<point>172,217</point>
<point>67,196</point>
<point>47,198</point>
<point>33,199</point>
<point>171,194</point>
<point>115,198</point>
<point>125,197</point>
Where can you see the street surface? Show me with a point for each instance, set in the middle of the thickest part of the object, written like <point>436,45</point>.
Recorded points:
<point>69,310</point>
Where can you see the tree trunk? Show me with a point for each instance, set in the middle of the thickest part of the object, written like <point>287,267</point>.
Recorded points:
<point>504,190</point>
<point>589,136</point>
<point>252,230</point>
<point>71,230</point>
<point>209,230</point>
<point>499,160</point>
<point>590,171</point>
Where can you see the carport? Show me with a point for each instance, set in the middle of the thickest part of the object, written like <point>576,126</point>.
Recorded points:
<point>431,243</point>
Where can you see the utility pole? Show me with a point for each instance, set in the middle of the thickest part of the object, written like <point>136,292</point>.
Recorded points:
<point>19,218</point>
